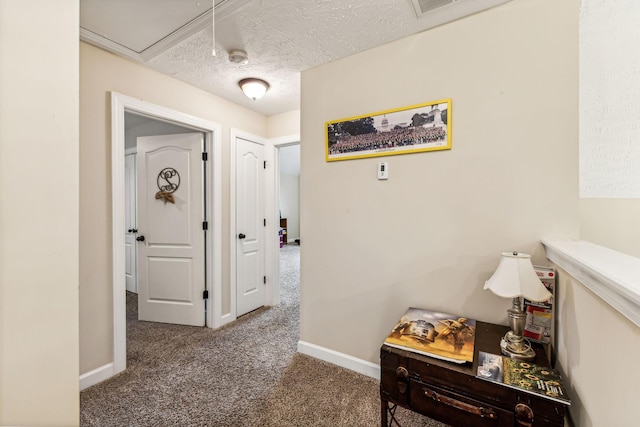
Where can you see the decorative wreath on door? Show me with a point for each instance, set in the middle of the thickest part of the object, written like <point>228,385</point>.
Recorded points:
<point>168,182</point>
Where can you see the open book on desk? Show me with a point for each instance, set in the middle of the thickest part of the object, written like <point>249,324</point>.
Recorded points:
<point>441,335</point>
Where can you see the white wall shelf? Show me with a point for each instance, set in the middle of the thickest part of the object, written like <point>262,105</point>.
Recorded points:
<point>613,276</point>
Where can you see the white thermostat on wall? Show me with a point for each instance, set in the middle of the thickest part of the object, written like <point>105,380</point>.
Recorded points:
<point>383,170</point>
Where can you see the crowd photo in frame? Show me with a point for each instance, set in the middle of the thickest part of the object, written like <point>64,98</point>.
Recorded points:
<point>413,129</point>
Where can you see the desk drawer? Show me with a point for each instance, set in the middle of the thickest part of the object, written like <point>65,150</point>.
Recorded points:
<point>455,409</point>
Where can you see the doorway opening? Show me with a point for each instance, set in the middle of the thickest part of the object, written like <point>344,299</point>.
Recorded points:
<point>120,106</point>
<point>270,224</point>
<point>287,192</point>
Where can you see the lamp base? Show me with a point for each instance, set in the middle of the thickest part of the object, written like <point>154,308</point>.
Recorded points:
<point>517,347</point>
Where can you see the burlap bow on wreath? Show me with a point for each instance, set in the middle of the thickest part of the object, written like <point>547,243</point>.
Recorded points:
<point>166,196</point>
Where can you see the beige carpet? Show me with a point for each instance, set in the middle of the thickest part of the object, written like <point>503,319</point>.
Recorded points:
<point>244,374</point>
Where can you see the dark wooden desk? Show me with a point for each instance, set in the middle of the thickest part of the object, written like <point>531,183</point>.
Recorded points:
<point>451,393</point>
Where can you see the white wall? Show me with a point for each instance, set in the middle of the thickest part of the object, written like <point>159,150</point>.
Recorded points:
<point>39,213</point>
<point>611,222</point>
<point>432,234</point>
<point>284,124</point>
<point>597,348</point>
<point>609,90</point>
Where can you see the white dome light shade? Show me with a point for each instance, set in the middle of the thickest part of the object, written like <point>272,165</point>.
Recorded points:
<point>254,88</point>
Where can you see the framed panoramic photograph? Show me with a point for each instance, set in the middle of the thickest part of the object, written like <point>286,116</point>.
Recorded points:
<point>413,129</point>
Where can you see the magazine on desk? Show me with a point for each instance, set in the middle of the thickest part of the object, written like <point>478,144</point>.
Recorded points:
<point>441,335</point>
<point>523,376</point>
<point>539,320</point>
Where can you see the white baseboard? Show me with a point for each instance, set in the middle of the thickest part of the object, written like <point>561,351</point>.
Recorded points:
<point>96,376</point>
<point>340,359</point>
<point>227,318</point>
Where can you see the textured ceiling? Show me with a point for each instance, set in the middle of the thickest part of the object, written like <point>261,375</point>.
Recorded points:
<point>281,37</point>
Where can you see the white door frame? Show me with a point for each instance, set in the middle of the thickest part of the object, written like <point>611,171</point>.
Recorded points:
<point>273,180</point>
<point>119,105</point>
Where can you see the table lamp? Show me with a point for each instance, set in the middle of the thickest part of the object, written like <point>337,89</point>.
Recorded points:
<point>515,278</point>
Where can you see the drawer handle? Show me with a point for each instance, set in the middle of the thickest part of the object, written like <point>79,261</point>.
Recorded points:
<point>482,412</point>
<point>402,373</point>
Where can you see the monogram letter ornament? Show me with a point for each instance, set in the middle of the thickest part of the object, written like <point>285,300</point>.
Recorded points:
<point>168,181</point>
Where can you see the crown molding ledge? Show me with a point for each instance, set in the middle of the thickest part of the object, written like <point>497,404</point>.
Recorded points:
<point>159,47</point>
<point>611,275</point>
<point>108,45</point>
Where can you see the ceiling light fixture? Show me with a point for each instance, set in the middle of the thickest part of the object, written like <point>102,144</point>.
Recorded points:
<point>254,88</point>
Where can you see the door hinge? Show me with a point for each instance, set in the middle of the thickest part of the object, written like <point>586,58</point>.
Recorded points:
<point>264,279</point>
<point>205,294</point>
<point>205,225</point>
<point>205,156</point>
<point>265,164</point>
<point>264,221</point>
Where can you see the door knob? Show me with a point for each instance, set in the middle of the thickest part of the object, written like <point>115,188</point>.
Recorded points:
<point>241,236</point>
<point>133,230</point>
<point>140,238</point>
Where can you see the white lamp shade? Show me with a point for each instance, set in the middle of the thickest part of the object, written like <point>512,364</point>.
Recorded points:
<point>515,277</point>
<point>254,88</point>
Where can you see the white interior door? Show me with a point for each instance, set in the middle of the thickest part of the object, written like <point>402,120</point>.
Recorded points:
<point>250,227</point>
<point>171,267</point>
<point>130,223</point>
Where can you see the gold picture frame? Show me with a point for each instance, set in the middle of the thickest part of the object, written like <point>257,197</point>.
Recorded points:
<point>412,129</point>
